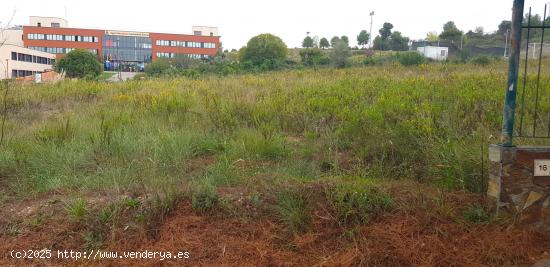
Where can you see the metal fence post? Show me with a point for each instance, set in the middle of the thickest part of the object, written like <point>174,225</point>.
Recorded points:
<point>513,67</point>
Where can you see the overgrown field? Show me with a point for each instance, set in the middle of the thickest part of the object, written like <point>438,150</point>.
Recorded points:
<point>338,154</point>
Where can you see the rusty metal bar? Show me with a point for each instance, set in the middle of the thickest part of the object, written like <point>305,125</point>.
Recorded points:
<point>535,116</point>
<point>538,27</point>
<point>522,112</point>
<point>513,66</point>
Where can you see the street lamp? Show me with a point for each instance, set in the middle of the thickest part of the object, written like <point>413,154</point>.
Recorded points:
<point>370,33</point>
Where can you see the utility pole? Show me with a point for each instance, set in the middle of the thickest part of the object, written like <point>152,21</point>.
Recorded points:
<point>370,34</point>
<point>513,68</point>
<point>119,75</point>
<point>506,43</point>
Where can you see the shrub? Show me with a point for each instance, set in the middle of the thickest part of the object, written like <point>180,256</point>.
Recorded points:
<point>313,57</point>
<point>370,61</point>
<point>266,51</point>
<point>79,63</point>
<point>340,55</point>
<point>158,67</point>
<point>410,58</point>
<point>481,60</point>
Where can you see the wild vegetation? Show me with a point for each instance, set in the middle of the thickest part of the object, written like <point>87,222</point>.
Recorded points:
<point>307,150</point>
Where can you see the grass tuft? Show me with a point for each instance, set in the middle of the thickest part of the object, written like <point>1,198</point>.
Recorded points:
<point>76,209</point>
<point>293,212</point>
<point>357,203</point>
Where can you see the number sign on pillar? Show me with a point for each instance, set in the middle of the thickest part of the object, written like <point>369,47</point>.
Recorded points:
<point>542,167</point>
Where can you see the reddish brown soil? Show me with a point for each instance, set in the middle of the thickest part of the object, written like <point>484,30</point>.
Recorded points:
<point>421,232</point>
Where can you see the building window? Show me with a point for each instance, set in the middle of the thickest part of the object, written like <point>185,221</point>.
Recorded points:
<point>39,24</point>
<point>35,36</point>
<point>163,43</point>
<point>197,33</point>
<point>55,25</point>
<point>13,56</point>
<point>211,34</point>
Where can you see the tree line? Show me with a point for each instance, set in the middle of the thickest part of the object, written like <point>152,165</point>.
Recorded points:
<point>387,40</point>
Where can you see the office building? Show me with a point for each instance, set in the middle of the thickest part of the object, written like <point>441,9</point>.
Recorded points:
<point>125,50</point>
<point>17,61</point>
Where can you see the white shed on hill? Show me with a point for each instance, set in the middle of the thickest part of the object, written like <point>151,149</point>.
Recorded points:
<point>434,52</point>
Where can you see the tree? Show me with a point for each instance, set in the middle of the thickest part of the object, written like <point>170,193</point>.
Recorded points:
<point>380,44</point>
<point>345,39</point>
<point>479,30</point>
<point>308,42</point>
<point>432,36</point>
<point>363,38</point>
<point>334,40</point>
<point>324,43</point>
<point>398,42</point>
<point>340,54</point>
<point>313,57</point>
<point>382,41</point>
<point>158,67</point>
<point>388,40</point>
<point>449,26</point>
<point>450,32</point>
<point>315,41</point>
<point>264,50</point>
<point>385,31</point>
<point>535,20</point>
<point>504,26</point>
<point>79,63</point>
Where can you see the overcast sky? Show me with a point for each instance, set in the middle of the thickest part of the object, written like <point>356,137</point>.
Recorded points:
<point>239,20</point>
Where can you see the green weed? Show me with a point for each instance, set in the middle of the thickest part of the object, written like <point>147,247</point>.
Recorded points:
<point>476,214</point>
<point>57,132</point>
<point>205,198</point>
<point>293,211</point>
<point>358,203</point>
<point>77,209</point>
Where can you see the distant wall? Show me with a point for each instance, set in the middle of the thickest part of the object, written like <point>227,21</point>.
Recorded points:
<point>12,37</point>
<point>47,22</point>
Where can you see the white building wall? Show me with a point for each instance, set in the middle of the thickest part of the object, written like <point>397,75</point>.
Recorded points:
<point>7,62</point>
<point>205,30</point>
<point>11,37</point>
<point>47,21</point>
<point>434,52</point>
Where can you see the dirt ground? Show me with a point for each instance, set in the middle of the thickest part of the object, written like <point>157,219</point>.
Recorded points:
<point>420,234</point>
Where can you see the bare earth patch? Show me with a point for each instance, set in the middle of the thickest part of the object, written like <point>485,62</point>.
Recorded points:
<point>420,234</point>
